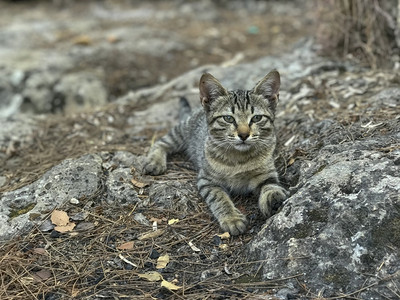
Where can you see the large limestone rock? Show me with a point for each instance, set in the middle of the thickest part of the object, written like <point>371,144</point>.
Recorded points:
<point>340,228</point>
<point>22,208</point>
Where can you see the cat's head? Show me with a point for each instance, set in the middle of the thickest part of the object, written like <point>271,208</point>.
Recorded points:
<point>241,120</point>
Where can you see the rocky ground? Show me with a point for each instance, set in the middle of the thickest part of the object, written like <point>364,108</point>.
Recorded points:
<point>85,89</point>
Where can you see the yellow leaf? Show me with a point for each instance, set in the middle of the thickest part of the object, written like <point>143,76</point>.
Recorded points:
<point>223,247</point>
<point>162,261</point>
<point>126,246</point>
<point>173,221</point>
<point>151,235</point>
<point>224,236</point>
<point>151,276</point>
<point>59,217</point>
<point>170,286</point>
<point>138,183</point>
<point>65,228</point>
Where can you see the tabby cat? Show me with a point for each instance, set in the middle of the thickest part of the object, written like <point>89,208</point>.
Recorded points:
<point>231,141</point>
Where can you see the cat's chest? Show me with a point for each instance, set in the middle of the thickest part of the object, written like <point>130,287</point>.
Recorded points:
<point>240,177</point>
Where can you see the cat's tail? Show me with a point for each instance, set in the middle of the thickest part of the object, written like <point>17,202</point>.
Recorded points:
<point>184,109</point>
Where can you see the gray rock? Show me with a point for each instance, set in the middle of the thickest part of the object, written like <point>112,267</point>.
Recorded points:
<point>121,159</point>
<point>38,94</point>
<point>16,132</point>
<point>73,178</point>
<point>340,227</point>
<point>120,188</point>
<point>78,91</point>
<point>174,194</point>
<point>140,218</point>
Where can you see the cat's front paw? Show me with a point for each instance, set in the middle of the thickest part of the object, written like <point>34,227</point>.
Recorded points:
<point>271,199</point>
<point>154,166</point>
<point>235,223</point>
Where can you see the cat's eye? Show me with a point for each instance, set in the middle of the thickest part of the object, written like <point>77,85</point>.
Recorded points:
<point>229,119</point>
<point>256,118</point>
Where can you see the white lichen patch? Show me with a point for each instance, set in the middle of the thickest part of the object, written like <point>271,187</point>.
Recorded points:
<point>357,252</point>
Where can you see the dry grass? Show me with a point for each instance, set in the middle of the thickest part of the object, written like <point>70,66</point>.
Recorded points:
<point>363,28</point>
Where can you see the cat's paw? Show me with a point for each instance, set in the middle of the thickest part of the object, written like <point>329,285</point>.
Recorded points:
<point>235,223</point>
<point>154,166</point>
<point>271,199</point>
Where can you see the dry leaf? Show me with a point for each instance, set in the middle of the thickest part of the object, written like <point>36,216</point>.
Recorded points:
<point>126,260</point>
<point>151,276</point>
<point>42,275</point>
<point>170,286</point>
<point>173,221</point>
<point>224,236</point>
<point>151,235</point>
<point>223,247</point>
<point>40,251</point>
<point>59,217</point>
<point>194,248</point>
<point>27,280</point>
<point>66,228</point>
<point>162,261</point>
<point>138,183</point>
<point>112,39</point>
<point>154,219</point>
<point>126,246</point>
<point>83,40</point>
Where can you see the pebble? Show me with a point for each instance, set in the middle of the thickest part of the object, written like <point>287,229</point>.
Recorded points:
<point>74,201</point>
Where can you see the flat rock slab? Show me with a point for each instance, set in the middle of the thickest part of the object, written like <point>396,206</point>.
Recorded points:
<point>73,178</point>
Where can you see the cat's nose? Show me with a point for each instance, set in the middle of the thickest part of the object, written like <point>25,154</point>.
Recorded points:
<point>243,136</point>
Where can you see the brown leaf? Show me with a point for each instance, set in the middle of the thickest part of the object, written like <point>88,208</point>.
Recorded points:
<point>59,217</point>
<point>126,246</point>
<point>152,219</point>
<point>42,275</point>
<point>138,183</point>
<point>151,235</point>
<point>65,228</point>
<point>40,251</point>
<point>112,39</point>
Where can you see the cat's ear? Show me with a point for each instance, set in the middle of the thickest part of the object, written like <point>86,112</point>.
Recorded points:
<point>210,89</point>
<point>268,87</point>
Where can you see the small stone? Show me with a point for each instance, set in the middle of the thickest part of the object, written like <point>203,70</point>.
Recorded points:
<point>74,201</point>
<point>154,254</point>
<point>140,218</point>
<point>46,226</point>
<point>55,234</point>
<point>80,216</point>
<point>84,226</point>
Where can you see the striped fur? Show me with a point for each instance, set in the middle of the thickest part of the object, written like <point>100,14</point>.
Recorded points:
<point>231,141</point>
